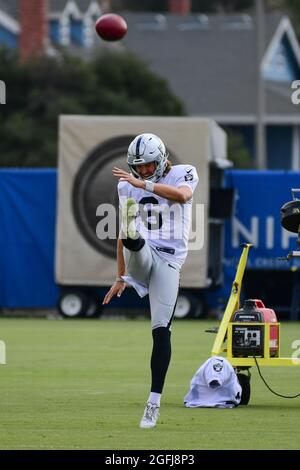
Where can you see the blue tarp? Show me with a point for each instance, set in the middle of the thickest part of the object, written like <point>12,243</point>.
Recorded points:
<point>27,238</point>
<point>256,220</point>
<point>27,242</point>
<point>27,235</point>
<point>259,197</point>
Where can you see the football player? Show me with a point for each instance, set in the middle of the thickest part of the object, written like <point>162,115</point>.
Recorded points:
<point>156,203</point>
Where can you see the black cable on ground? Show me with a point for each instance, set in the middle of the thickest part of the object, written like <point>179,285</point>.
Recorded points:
<point>272,391</point>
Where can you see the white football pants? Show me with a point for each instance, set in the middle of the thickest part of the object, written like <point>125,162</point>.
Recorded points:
<point>162,279</point>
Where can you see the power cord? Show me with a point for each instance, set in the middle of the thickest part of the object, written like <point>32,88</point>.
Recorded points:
<point>272,391</point>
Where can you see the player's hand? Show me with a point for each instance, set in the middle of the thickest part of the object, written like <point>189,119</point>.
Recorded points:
<point>125,176</point>
<point>116,289</point>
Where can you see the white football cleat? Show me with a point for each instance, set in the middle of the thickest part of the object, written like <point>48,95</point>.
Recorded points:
<point>150,416</point>
<point>129,213</point>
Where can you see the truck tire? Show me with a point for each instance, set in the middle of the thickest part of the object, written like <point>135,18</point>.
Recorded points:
<point>94,309</point>
<point>73,303</point>
<point>79,303</point>
<point>188,306</point>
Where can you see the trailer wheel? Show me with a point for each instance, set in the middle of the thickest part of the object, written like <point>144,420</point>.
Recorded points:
<point>94,309</point>
<point>188,306</point>
<point>73,303</point>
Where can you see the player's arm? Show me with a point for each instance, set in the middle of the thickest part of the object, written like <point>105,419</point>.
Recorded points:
<point>180,194</point>
<point>119,286</point>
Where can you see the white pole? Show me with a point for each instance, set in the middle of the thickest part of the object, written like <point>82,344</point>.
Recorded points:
<point>260,153</point>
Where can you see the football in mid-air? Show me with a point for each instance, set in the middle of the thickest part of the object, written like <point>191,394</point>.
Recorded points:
<point>111,27</point>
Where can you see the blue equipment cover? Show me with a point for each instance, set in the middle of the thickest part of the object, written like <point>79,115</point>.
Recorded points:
<point>27,237</point>
<point>259,197</point>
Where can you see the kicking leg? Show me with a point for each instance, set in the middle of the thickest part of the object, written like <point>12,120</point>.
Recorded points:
<point>137,254</point>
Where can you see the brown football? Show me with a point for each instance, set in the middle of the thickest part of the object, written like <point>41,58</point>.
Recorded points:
<point>111,27</point>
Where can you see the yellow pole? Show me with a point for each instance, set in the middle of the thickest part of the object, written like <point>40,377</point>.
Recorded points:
<point>233,302</point>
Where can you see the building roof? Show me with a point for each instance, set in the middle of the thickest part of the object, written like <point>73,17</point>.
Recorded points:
<point>210,61</point>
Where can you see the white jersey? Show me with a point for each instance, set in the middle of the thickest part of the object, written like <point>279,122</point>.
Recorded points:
<point>164,224</point>
<point>215,384</point>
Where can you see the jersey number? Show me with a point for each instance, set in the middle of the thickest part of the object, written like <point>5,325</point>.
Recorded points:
<point>149,214</point>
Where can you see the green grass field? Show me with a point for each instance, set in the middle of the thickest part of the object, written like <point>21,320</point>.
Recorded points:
<point>83,385</point>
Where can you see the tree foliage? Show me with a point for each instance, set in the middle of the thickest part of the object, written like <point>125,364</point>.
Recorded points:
<point>204,6</point>
<point>237,151</point>
<point>294,6</point>
<point>140,5</point>
<point>38,92</point>
<point>221,6</point>
<point>207,6</point>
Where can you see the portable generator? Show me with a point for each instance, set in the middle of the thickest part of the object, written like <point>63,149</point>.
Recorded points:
<point>248,330</point>
<point>250,336</point>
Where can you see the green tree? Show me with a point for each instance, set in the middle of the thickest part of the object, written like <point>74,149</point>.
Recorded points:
<point>38,92</point>
<point>204,6</point>
<point>140,5</point>
<point>221,6</point>
<point>294,5</point>
<point>237,151</point>
<point>289,7</point>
